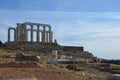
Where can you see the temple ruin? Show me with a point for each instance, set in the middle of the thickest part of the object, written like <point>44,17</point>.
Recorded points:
<point>24,39</point>
<point>21,32</point>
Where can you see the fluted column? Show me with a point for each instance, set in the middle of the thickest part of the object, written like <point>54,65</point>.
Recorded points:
<point>50,35</point>
<point>47,37</point>
<point>31,33</point>
<point>22,32</point>
<point>38,36</point>
<point>15,35</point>
<point>26,33</point>
<point>18,32</point>
<point>43,34</point>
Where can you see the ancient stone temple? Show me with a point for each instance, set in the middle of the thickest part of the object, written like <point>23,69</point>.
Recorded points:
<point>21,32</point>
<point>24,41</point>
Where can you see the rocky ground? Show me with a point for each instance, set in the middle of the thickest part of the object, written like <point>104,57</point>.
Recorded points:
<point>41,73</point>
<point>10,69</point>
<point>35,74</point>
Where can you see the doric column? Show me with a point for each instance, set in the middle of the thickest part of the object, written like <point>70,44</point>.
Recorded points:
<point>15,35</point>
<point>23,32</point>
<point>50,35</point>
<point>21,37</point>
<point>31,33</point>
<point>26,33</point>
<point>18,32</point>
<point>43,34</point>
<point>38,36</point>
<point>47,37</point>
<point>9,35</point>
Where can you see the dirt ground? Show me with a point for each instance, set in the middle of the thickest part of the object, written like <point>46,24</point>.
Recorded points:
<point>42,71</point>
<point>34,74</point>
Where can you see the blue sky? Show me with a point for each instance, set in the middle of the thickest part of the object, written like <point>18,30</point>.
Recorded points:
<point>94,24</point>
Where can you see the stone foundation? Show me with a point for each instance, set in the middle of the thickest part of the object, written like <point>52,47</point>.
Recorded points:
<point>73,49</point>
<point>33,46</point>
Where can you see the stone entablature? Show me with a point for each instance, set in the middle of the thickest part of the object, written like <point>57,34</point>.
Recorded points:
<point>21,32</point>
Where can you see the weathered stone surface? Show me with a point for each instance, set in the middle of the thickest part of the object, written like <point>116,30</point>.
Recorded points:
<point>33,46</point>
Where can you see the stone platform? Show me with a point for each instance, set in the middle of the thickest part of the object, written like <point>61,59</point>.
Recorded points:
<point>33,46</point>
